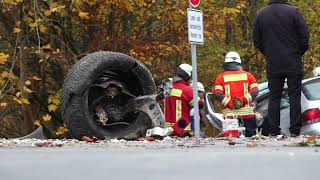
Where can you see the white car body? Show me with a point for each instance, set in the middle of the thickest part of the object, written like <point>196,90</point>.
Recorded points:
<point>306,104</point>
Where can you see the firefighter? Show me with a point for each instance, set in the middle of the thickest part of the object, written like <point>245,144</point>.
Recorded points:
<point>178,104</point>
<point>316,72</point>
<point>236,89</point>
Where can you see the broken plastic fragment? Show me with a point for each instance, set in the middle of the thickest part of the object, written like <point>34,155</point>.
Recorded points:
<point>159,131</point>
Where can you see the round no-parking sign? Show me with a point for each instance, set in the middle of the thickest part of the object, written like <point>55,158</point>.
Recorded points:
<point>194,3</point>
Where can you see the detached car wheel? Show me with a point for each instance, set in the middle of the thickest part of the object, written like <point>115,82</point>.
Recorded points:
<point>95,94</point>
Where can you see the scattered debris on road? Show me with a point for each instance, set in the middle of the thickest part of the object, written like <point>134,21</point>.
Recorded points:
<point>311,141</point>
<point>252,145</point>
<point>147,139</point>
<point>47,144</point>
<point>170,142</point>
<point>232,143</point>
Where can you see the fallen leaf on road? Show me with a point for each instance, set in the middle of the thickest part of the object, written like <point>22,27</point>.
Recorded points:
<point>252,145</point>
<point>88,139</point>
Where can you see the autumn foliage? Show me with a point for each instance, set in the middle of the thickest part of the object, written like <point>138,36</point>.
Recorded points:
<point>41,39</point>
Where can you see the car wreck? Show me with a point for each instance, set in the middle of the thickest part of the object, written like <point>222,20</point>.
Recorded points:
<point>111,95</point>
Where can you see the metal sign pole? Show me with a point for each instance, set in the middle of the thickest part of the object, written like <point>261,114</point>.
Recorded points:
<point>195,88</point>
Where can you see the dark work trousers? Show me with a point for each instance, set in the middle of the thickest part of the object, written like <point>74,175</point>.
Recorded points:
<point>250,125</point>
<point>275,83</point>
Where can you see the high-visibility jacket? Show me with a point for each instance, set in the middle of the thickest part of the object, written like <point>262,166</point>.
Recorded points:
<point>236,84</point>
<point>178,106</point>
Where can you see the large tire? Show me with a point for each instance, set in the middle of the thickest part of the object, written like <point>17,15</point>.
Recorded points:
<point>76,88</point>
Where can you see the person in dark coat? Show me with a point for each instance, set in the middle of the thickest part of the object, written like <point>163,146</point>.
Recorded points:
<point>281,34</point>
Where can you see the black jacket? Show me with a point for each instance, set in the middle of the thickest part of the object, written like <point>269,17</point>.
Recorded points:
<point>281,34</point>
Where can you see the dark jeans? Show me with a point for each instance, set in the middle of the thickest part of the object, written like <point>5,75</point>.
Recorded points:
<point>250,125</point>
<point>201,116</point>
<point>275,83</point>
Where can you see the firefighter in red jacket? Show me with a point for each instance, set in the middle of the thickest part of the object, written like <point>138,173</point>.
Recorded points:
<point>236,89</point>
<point>179,103</point>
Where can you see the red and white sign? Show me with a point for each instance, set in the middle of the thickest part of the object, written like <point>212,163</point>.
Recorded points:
<point>194,3</point>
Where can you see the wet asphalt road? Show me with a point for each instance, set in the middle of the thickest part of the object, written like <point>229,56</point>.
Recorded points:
<point>159,160</point>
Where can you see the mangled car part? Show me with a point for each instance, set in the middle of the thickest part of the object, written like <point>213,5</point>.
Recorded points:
<point>111,95</point>
<point>37,134</point>
<point>216,119</point>
<point>159,132</point>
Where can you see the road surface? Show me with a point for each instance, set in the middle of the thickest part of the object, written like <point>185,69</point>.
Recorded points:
<point>174,159</point>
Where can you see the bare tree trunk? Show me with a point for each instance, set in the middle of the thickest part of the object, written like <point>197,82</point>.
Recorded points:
<point>228,25</point>
<point>26,111</point>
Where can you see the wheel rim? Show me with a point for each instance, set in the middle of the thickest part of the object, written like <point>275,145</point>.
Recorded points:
<point>112,101</point>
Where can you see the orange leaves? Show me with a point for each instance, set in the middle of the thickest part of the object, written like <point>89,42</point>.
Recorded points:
<point>182,12</point>
<point>55,8</point>
<point>52,107</point>
<point>13,2</point>
<point>46,47</point>
<point>25,101</point>
<point>229,10</point>
<point>91,2</point>
<point>46,118</point>
<point>20,97</point>
<point>36,78</point>
<point>3,58</point>
<point>36,23</point>
<point>61,131</point>
<point>3,104</point>
<point>5,74</point>
<point>28,82</point>
<point>84,15</point>
<point>37,123</point>
<point>54,102</point>
<point>21,100</point>
<point>16,30</point>
<point>17,100</point>
<point>26,87</point>
<point>18,94</point>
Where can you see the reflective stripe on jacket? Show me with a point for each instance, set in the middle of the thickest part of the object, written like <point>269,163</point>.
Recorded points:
<point>236,84</point>
<point>178,106</point>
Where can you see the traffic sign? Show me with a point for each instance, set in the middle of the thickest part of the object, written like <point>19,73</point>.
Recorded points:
<point>195,26</point>
<point>195,34</point>
<point>194,3</point>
